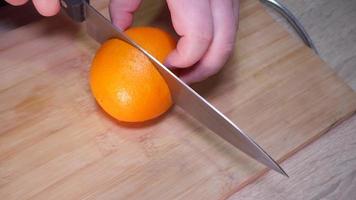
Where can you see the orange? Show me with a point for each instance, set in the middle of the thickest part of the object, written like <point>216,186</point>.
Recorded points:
<point>124,81</point>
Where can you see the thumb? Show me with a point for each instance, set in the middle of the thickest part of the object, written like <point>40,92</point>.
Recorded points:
<point>121,12</point>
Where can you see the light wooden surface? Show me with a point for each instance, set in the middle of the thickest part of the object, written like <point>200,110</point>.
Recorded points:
<point>55,143</point>
<point>324,170</point>
<point>329,172</point>
<point>331,26</point>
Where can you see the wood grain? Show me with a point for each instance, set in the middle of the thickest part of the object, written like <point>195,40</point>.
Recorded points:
<point>331,26</point>
<point>55,143</point>
<point>324,170</point>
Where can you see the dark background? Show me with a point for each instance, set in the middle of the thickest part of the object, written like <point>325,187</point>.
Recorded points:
<point>2,3</point>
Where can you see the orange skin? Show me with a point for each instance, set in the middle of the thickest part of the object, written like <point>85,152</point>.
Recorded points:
<point>124,81</point>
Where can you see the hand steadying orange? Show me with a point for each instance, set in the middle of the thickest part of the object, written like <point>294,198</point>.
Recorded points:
<point>207,29</point>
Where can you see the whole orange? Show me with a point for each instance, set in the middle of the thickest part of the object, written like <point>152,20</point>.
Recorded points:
<point>124,81</point>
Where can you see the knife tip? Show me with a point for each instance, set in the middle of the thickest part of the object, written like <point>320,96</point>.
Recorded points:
<point>280,170</point>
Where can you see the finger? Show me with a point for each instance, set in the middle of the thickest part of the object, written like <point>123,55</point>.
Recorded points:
<point>47,7</point>
<point>225,26</point>
<point>16,2</point>
<point>121,12</point>
<point>236,10</point>
<point>192,20</point>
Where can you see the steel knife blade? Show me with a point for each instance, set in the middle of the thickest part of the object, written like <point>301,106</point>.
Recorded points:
<point>101,29</point>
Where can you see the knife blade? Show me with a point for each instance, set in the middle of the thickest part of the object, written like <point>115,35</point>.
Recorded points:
<point>100,29</point>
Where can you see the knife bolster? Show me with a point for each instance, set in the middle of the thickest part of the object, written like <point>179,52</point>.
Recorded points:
<point>74,9</point>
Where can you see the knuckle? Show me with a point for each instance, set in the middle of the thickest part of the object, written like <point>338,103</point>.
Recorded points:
<point>210,70</point>
<point>205,38</point>
<point>213,70</point>
<point>228,47</point>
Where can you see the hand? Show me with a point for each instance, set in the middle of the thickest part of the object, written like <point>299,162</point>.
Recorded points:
<point>207,30</point>
<point>44,7</point>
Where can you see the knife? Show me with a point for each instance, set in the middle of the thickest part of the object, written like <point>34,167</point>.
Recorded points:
<point>100,29</point>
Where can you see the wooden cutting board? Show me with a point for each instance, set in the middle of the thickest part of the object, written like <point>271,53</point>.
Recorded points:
<point>56,143</point>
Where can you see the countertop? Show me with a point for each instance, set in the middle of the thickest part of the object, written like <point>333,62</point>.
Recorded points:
<point>326,169</point>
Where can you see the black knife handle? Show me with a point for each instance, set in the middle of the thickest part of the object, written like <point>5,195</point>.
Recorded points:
<point>74,9</point>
